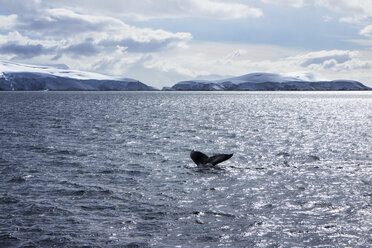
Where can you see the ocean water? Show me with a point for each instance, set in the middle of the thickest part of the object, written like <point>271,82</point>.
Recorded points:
<point>112,169</point>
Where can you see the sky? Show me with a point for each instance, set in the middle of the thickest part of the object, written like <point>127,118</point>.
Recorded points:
<point>161,42</point>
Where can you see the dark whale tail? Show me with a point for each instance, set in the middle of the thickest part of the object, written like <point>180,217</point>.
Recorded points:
<point>200,158</point>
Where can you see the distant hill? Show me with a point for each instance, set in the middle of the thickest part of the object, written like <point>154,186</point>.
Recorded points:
<point>14,76</point>
<point>268,82</point>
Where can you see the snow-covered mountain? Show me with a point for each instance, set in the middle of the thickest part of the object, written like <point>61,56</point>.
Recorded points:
<point>268,81</point>
<point>14,76</point>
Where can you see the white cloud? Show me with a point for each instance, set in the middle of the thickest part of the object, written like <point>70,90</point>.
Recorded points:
<point>293,3</point>
<point>65,32</point>
<point>362,42</point>
<point>8,22</point>
<point>367,31</point>
<point>64,22</point>
<point>145,9</point>
<point>336,64</point>
<point>350,20</point>
<point>357,9</point>
<point>326,57</point>
<point>220,10</point>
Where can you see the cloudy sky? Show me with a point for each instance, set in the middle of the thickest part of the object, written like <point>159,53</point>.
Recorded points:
<point>161,42</point>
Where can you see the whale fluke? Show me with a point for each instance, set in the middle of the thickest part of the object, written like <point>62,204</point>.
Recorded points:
<point>200,158</point>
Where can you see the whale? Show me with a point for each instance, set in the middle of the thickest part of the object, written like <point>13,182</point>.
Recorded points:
<point>200,159</point>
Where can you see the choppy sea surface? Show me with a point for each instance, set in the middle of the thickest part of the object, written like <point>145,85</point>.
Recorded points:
<point>112,169</point>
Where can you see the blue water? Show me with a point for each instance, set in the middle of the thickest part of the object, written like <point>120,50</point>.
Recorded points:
<point>101,169</point>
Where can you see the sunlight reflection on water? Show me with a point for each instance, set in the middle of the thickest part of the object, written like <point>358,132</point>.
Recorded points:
<point>112,169</point>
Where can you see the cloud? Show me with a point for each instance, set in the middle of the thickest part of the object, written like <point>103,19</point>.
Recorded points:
<point>327,58</point>
<point>350,20</point>
<point>64,22</point>
<point>133,46</point>
<point>334,62</point>
<point>24,48</point>
<point>8,22</point>
<point>292,3</point>
<point>24,51</point>
<point>145,10</point>
<point>15,44</point>
<point>367,31</point>
<point>356,9</point>
<point>220,10</point>
<point>82,49</point>
<point>65,30</point>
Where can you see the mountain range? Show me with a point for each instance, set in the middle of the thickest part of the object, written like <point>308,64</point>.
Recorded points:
<point>15,77</point>
<point>268,82</point>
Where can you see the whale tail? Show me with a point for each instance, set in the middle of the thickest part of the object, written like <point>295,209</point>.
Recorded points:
<point>200,158</point>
